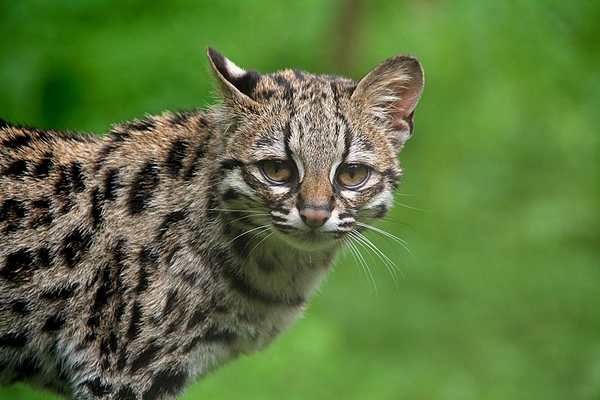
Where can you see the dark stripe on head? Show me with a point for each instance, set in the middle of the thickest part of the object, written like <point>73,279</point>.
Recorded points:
<point>231,164</point>
<point>177,153</point>
<point>146,180</point>
<point>287,134</point>
<point>265,141</point>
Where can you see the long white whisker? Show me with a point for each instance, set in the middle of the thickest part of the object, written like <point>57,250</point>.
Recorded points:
<point>366,265</point>
<point>233,210</point>
<point>387,262</point>
<point>401,241</point>
<point>247,232</point>
<point>354,253</point>
<point>248,216</point>
<point>268,235</point>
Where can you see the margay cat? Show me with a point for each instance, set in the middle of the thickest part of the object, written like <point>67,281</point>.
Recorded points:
<point>133,263</point>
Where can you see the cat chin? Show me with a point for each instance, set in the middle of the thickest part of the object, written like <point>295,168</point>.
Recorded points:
<point>309,241</point>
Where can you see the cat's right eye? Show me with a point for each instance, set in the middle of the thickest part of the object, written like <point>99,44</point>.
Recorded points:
<point>276,171</point>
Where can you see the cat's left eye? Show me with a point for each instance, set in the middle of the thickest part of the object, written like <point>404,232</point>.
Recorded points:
<point>277,171</point>
<point>352,176</point>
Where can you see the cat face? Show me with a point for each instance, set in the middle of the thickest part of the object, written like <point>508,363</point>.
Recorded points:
<point>314,155</point>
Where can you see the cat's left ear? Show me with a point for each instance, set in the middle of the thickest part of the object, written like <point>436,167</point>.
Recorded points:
<point>237,85</point>
<point>390,93</point>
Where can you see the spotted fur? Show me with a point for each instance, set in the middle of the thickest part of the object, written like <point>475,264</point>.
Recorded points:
<point>132,264</point>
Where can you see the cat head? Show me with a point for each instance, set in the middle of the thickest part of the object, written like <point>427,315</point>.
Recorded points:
<point>314,154</point>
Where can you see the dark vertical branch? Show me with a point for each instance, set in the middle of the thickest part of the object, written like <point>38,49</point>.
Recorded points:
<point>347,28</point>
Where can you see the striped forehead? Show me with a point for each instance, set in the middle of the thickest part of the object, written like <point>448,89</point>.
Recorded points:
<point>315,130</point>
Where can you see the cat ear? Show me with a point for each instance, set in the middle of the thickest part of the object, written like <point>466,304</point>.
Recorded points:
<point>390,93</point>
<point>236,84</point>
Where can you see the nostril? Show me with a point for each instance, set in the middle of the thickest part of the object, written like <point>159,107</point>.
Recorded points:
<point>314,217</point>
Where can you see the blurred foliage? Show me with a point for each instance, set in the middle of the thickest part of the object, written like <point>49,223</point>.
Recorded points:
<point>499,299</point>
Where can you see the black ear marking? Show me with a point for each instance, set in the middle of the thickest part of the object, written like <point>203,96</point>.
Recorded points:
<point>230,74</point>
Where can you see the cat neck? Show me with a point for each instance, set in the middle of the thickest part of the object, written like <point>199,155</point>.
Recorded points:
<point>280,273</point>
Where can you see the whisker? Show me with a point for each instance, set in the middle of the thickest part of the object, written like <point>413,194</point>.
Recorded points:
<point>364,264</point>
<point>247,216</point>
<point>352,249</point>
<point>260,242</point>
<point>391,267</point>
<point>409,207</point>
<point>232,210</point>
<point>387,234</point>
<point>247,232</point>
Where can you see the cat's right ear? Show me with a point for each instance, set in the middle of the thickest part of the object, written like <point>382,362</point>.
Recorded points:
<point>237,85</point>
<point>390,93</point>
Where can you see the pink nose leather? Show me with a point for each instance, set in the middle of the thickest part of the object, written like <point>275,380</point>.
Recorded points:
<point>314,217</point>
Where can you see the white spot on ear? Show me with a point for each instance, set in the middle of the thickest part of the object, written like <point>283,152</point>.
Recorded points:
<point>233,70</point>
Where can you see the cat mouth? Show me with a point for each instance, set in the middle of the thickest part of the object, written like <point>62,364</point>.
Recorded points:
<point>309,240</point>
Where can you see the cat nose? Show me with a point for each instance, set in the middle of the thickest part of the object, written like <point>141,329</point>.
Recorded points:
<point>314,217</point>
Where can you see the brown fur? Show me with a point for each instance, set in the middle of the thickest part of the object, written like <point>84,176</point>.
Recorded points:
<point>132,263</point>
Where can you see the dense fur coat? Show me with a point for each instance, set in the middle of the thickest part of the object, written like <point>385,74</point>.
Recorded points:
<point>131,264</point>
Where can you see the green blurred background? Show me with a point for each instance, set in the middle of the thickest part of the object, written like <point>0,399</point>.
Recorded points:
<point>500,298</point>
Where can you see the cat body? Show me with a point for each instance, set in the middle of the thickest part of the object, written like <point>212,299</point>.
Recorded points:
<point>134,263</point>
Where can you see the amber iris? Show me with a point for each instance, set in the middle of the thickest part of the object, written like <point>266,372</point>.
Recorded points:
<point>276,171</point>
<point>352,176</point>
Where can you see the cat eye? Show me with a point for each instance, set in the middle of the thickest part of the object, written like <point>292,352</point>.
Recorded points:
<point>352,176</point>
<point>277,171</point>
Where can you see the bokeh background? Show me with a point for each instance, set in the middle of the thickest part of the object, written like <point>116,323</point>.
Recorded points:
<point>500,298</point>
